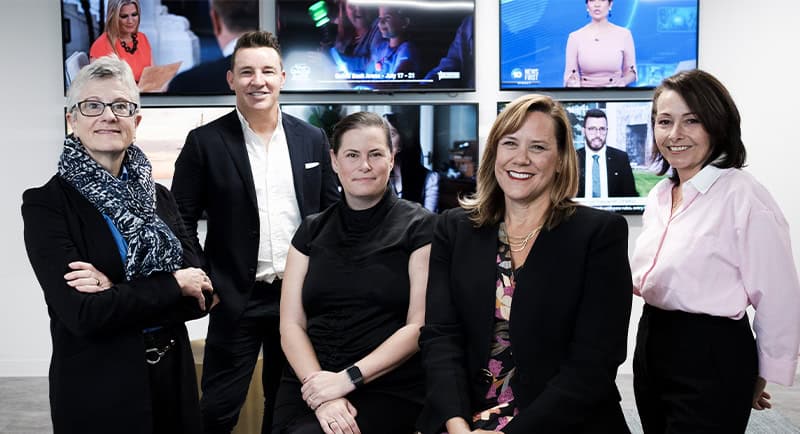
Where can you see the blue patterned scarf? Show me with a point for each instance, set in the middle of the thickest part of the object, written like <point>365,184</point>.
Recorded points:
<point>131,205</point>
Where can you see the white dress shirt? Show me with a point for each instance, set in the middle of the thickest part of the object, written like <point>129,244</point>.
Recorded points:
<point>278,212</point>
<point>587,171</point>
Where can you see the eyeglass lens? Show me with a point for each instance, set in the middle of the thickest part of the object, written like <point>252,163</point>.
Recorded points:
<point>96,108</point>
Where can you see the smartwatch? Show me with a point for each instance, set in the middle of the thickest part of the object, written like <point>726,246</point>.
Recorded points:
<point>355,376</point>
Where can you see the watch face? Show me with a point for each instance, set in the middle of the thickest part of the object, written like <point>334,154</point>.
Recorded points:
<point>355,375</point>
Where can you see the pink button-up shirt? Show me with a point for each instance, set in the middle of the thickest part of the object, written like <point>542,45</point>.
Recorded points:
<point>725,247</point>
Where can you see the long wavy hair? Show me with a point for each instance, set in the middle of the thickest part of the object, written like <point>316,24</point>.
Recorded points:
<point>112,19</point>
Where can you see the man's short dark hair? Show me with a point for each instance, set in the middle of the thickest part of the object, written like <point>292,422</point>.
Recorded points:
<point>256,39</point>
<point>594,113</point>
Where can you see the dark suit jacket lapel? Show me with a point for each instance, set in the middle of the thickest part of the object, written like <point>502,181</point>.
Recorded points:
<point>233,138</point>
<point>298,154</point>
<point>483,251</point>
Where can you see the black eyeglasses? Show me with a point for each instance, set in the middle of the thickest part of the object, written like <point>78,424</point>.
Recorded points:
<point>594,130</point>
<point>94,108</point>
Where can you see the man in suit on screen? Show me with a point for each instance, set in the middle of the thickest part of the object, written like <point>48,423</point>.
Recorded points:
<point>256,173</point>
<point>606,172</point>
<point>229,20</point>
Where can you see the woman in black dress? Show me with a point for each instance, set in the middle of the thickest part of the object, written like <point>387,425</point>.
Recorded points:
<point>353,299</point>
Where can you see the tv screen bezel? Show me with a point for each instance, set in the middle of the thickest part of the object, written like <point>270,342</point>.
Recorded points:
<point>64,31</point>
<point>418,90</point>
<point>501,87</point>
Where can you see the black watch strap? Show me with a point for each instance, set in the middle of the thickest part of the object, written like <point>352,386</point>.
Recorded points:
<point>355,376</point>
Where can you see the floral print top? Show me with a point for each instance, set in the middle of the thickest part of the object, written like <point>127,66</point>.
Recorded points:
<point>499,399</point>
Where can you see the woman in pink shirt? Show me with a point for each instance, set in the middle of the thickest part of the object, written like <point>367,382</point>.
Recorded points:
<point>713,243</point>
<point>600,54</point>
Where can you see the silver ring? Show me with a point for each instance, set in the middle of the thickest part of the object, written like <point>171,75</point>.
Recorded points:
<point>331,422</point>
<point>98,281</point>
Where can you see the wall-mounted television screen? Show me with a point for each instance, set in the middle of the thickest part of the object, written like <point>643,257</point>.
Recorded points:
<point>555,44</point>
<point>377,46</point>
<point>174,47</point>
<point>437,144</point>
<point>620,135</point>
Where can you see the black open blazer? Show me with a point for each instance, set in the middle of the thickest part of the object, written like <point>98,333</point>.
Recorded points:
<point>98,376</point>
<point>568,325</point>
<point>213,175</point>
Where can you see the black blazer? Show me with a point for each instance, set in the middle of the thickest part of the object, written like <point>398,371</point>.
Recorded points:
<point>213,174</point>
<point>569,324</point>
<point>618,172</point>
<point>98,378</point>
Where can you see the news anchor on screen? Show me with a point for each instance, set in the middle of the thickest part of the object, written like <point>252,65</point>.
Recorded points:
<point>600,54</point>
<point>607,171</point>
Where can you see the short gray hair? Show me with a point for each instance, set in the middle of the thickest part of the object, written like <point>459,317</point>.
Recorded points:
<point>103,68</point>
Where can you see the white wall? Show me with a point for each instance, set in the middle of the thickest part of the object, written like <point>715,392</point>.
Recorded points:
<point>746,45</point>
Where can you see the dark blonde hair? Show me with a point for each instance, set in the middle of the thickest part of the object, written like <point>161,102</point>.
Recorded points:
<point>112,19</point>
<point>487,205</point>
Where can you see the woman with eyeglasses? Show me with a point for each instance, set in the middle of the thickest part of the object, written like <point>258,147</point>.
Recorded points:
<point>123,38</point>
<point>109,250</point>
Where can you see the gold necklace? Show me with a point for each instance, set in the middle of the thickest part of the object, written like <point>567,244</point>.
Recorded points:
<point>518,246</point>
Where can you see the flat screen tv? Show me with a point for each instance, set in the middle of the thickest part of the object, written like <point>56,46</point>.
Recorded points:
<point>377,46</point>
<point>656,38</point>
<point>186,57</point>
<point>438,158</point>
<point>620,134</point>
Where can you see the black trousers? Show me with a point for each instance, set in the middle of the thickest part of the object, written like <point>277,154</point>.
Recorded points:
<point>230,357</point>
<point>693,373</point>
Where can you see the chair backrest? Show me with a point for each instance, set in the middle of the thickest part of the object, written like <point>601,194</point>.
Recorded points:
<point>73,64</point>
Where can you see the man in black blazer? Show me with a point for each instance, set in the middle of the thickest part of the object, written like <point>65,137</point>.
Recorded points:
<point>229,20</point>
<point>256,173</point>
<point>618,173</point>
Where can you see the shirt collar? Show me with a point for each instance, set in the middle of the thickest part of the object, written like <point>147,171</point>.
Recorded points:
<point>123,174</point>
<point>246,124</point>
<point>228,49</point>
<point>590,151</point>
<point>705,178</point>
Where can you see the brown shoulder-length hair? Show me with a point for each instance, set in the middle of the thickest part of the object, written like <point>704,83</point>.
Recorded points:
<point>713,105</point>
<point>487,205</point>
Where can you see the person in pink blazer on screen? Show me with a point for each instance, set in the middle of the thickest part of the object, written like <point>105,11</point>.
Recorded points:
<point>600,54</point>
